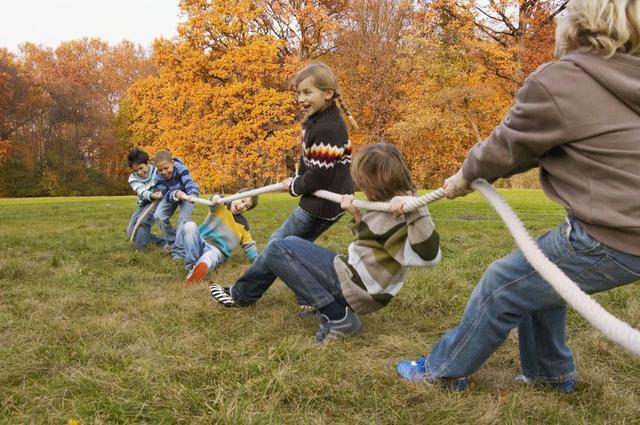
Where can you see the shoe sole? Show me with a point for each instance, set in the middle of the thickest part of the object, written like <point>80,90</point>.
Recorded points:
<point>199,273</point>
<point>219,296</point>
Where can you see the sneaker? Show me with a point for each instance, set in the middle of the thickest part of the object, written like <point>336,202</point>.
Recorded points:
<point>566,387</point>
<point>416,371</point>
<point>198,272</point>
<point>202,267</point>
<point>333,329</point>
<point>222,295</point>
<point>308,312</point>
<point>412,370</point>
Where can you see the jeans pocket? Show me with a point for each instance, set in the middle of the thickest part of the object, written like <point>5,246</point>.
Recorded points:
<point>302,216</point>
<point>579,239</point>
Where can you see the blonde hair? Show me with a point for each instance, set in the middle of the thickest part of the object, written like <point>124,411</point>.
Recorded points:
<point>162,155</point>
<point>380,171</point>
<point>606,26</point>
<point>324,79</point>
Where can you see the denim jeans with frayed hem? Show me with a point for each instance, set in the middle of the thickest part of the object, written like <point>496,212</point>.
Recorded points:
<point>306,268</point>
<point>258,278</point>
<point>190,246</point>
<point>511,294</point>
<point>163,217</point>
<point>143,236</point>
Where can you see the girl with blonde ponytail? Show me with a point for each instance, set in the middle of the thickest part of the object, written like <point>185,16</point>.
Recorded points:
<point>325,163</point>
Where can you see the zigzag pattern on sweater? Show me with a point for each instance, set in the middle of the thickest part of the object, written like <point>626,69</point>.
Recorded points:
<point>327,155</point>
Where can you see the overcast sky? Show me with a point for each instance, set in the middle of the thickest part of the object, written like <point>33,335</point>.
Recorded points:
<point>49,22</point>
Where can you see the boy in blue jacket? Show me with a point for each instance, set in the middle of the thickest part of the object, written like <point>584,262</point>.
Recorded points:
<point>177,186</point>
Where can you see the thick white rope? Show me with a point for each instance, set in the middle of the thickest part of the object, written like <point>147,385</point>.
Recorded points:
<point>249,193</point>
<point>144,215</point>
<point>612,327</point>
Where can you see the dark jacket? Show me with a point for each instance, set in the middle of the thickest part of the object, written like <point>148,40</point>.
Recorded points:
<point>324,163</point>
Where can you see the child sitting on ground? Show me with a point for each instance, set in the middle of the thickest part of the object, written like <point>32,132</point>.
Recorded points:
<point>143,183</point>
<point>376,266</point>
<point>206,247</point>
<point>177,186</point>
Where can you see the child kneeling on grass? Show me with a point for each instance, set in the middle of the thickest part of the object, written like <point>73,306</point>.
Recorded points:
<point>376,267</point>
<point>142,181</point>
<point>206,247</point>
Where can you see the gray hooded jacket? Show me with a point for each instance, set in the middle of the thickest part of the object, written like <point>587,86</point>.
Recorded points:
<point>578,119</point>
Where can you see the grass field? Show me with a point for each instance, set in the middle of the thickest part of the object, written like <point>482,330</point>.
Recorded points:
<point>91,331</point>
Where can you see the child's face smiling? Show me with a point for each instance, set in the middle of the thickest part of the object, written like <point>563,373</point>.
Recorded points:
<point>311,98</point>
<point>165,168</point>
<point>142,170</point>
<point>240,205</point>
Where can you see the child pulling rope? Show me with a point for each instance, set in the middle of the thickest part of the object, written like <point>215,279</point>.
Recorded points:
<point>612,327</point>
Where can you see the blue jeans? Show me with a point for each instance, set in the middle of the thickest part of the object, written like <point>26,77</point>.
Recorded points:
<point>163,216</point>
<point>190,246</point>
<point>301,224</point>
<point>143,236</point>
<point>306,268</point>
<point>511,293</point>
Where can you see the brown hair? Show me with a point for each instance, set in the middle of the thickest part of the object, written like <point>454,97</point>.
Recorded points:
<point>379,170</point>
<point>604,26</point>
<point>254,198</point>
<point>324,79</point>
<point>162,155</point>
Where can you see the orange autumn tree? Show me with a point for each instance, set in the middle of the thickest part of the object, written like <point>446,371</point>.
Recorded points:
<point>451,100</point>
<point>218,101</point>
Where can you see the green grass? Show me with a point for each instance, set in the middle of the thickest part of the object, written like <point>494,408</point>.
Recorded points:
<point>92,331</point>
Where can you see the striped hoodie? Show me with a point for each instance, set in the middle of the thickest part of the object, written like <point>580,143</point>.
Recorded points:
<point>180,180</point>
<point>144,187</point>
<point>384,247</point>
<point>226,231</point>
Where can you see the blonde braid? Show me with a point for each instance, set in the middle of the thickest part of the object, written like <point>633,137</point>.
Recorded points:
<point>346,111</point>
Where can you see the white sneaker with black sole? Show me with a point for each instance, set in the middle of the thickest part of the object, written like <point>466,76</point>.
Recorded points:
<point>222,295</point>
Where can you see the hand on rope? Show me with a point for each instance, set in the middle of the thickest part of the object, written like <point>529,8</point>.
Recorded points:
<point>286,183</point>
<point>346,203</point>
<point>396,204</point>
<point>181,196</point>
<point>456,185</point>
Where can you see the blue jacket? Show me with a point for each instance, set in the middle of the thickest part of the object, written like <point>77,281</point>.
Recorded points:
<point>180,180</point>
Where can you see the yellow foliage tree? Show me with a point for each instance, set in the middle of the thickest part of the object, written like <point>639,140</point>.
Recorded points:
<point>451,100</point>
<point>218,100</point>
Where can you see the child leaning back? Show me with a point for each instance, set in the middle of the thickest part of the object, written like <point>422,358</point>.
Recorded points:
<point>177,186</point>
<point>324,163</point>
<point>142,181</point>
<point>376,266</point>
<point>206,247</point>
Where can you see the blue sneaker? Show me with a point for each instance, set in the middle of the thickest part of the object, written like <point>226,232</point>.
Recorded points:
<point>412,370</point>
<point>566,387</point>
<point>416,371</point>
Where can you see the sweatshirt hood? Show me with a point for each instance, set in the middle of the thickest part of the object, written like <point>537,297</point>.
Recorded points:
<point>619,74</point>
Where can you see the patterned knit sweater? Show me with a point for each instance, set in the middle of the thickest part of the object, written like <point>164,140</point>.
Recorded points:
<point>384,247</point>
<point>324,163</point>
<point>226,231</point>
<point>143,187</point>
